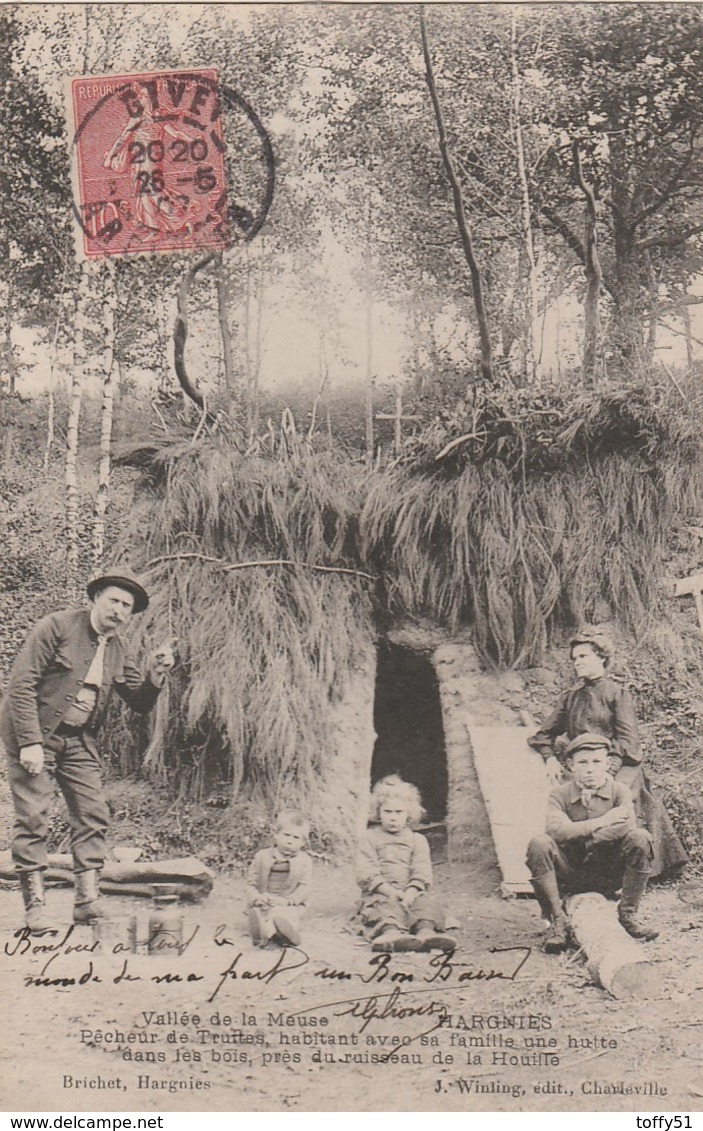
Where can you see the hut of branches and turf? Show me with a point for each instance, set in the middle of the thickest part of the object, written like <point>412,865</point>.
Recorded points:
<point>336,623</point>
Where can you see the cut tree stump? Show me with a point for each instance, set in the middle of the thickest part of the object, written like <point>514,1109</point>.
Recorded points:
<point>615,960</point>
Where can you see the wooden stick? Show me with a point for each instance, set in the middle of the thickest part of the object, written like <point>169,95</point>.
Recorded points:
<point>228,567</point>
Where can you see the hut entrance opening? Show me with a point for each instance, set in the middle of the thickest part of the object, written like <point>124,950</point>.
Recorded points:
<point>410,735</point>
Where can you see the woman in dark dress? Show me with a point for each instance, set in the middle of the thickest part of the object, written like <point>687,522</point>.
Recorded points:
<point>602,705</point>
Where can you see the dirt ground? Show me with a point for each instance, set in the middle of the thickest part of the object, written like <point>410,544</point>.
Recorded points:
<point>249,1034</point>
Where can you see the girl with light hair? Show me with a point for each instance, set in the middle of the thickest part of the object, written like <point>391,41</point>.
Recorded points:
<point>394,872</point>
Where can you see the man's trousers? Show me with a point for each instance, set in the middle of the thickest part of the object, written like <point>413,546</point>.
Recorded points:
<point>599,867</point>
<point>77,772</point>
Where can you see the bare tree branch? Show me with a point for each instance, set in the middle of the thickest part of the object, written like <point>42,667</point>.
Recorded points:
<point>681,333</point>
<point>229,567</point>
<point>672,187</point>
<point>180,330</point>
<point>488,203</point>
<point>564,231</point>
<point>673,240</point>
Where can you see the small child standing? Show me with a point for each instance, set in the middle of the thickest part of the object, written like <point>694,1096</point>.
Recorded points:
<point>591,843</point>
<point>279,881</point>
<point>395,875</point>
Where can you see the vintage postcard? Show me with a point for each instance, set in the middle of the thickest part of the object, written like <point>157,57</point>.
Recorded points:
<point>352,552</point>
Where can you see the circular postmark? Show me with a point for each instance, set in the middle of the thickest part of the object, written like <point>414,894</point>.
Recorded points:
<point>167,161</point>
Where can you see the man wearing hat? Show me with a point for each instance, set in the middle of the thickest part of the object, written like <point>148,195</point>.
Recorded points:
<point>56,701</point>
<point>591,842</point>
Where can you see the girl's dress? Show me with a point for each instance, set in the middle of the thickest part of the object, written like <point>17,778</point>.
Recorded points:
<point>401,860</point>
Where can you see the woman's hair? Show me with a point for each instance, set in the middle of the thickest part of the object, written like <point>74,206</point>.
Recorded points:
<point>393,787</point>
<point>601,642</point>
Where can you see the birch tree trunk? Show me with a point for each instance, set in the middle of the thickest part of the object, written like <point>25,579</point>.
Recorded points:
<point>398,422</point>
<point>106,417</point>
<point>418,375</point>
<point>686,319</point>
<point>259,334</point>
<point>85,283</point>
<point>50,424</point>
<point>223,319</point>
<point>10,359</point>
<point>369,378</point>
<point>72,429</point>
<point>557,336</point>
<point>248,367</point>
<point>51,414</point>
<point>653,295</point>
<point>8,443</point>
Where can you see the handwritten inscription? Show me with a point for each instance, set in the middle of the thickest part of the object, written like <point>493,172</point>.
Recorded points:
<point>399,1004</point>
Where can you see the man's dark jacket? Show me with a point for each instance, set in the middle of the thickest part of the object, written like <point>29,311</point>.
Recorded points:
<point>50,670</point>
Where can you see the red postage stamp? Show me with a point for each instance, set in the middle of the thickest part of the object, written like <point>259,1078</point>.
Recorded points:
<point>149,172</point>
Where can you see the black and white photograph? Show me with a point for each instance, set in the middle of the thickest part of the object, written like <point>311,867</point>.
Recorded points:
<point>351,558</point>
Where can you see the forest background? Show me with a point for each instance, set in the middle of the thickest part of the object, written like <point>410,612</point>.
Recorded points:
<point>456,376</point>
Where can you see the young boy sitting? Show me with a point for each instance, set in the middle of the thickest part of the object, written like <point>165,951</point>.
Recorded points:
<point>592,843</point>
<point>279,881</point>
<point>395,874</point>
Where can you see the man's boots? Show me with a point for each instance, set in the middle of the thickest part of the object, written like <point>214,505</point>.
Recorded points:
<point>547,892</point>
<point>32,888</point>
<point>634,885</point>
<point>87,904</point>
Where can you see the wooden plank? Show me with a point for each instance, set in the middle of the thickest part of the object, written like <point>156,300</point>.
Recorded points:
<point>515,789</point>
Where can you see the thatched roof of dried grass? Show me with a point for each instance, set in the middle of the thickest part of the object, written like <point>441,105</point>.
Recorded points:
<point>516,559</point>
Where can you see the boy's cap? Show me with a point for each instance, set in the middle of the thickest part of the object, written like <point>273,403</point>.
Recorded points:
<point>588,741</point>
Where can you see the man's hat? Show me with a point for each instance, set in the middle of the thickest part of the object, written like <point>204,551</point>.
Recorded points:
<point>588,741</point>
<point>123,577</point>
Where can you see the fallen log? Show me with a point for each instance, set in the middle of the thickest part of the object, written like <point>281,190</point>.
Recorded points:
<point>192,878</point>
<point>615,961</point>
